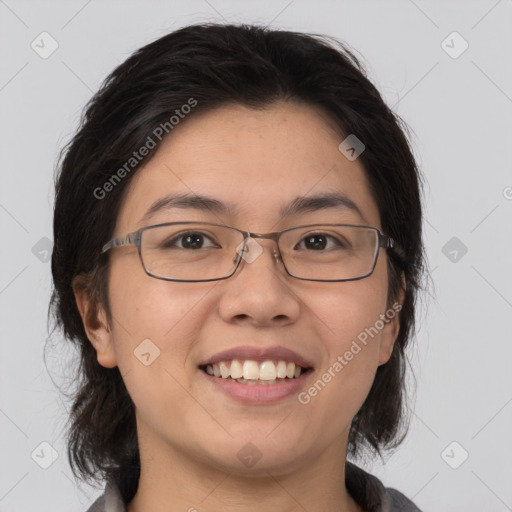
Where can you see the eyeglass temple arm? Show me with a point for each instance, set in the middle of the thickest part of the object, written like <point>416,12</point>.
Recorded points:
<point>388,243</point>
<point>120,241</point>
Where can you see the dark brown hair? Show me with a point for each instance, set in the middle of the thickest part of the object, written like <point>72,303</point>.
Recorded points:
<point>216,65</point>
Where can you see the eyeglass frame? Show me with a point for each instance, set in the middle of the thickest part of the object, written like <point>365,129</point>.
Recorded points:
<point>135,238</point>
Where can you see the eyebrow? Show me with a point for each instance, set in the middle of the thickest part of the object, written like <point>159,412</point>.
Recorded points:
<point>301,204</point>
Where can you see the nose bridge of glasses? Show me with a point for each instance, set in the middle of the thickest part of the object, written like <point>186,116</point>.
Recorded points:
<point>274,236</point>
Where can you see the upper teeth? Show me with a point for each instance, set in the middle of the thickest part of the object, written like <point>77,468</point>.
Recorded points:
<point>252,370</point>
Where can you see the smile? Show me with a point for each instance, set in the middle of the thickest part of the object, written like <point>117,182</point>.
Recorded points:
<point>256,383</point>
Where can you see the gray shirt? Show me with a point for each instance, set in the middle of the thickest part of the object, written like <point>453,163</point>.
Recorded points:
<point>366,490</point>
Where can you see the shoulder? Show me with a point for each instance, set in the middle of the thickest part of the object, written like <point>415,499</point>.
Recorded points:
<point>109,501</point>
<point>371,495</point>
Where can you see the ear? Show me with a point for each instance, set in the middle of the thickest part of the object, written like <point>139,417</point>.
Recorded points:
<point>95,323</point>
<point>392,326</point>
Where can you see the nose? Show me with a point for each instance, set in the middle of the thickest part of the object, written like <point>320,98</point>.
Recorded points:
<point>259,293</point>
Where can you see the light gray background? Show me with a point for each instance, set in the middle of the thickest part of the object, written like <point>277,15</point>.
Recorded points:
<point>460,110</point>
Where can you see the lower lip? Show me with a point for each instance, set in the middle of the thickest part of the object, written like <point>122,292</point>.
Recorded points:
<point>258,393</point>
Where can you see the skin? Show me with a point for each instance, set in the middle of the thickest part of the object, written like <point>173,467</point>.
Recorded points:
<point>189,433</point>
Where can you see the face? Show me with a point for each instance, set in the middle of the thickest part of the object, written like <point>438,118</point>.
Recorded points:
<point>255,163</point>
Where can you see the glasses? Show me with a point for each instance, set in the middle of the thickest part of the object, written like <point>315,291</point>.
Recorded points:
<point>202,251</point>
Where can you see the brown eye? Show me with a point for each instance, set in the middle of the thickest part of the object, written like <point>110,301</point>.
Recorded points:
<point>319,242</point>
<point>190,240</point>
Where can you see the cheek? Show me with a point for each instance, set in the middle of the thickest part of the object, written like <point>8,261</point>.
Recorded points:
<point>348,321</point>
<point>146,305</point>
<point>155,325</point>
<point>351,329</point>
<point>168,314</point>
<point>348,310</point>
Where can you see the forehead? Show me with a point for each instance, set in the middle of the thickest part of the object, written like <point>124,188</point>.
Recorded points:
<point>256,162</point>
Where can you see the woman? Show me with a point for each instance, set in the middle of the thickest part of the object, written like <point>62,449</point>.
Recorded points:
<point>238,253</point>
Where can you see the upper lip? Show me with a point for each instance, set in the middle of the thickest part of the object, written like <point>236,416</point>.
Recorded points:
<point>258,354</point>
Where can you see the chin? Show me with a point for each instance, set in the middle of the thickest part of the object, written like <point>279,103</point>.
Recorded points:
<point>257,456</point>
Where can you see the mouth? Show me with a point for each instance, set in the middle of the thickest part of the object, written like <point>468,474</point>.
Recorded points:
<point>256,375</point>
<point>256,383</point>
<point>253,372</point>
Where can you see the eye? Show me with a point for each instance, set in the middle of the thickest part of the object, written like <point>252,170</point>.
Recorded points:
<point>189,240</point>
<point>320,241</point>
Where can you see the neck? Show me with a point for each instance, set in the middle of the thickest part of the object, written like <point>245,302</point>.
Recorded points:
<point>171,481</point>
